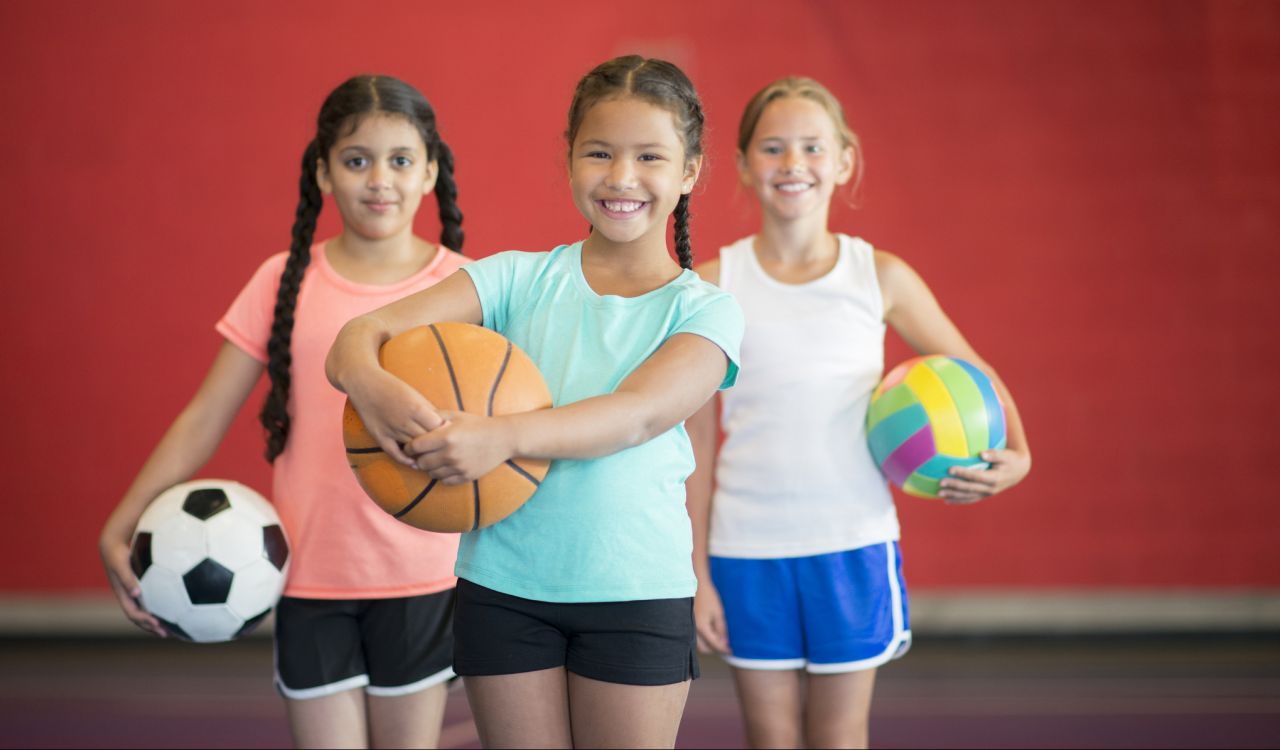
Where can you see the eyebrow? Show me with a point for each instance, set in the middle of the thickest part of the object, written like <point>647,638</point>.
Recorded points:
<point>606,144</point>
<point>394,149</point>
<point>802,138</point>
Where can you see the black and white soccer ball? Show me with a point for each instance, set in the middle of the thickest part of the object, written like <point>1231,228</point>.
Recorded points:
<point>211,558</point>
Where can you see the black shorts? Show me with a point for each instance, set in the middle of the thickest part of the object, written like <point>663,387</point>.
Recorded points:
<point>645,642</point>
<point>388,647</point>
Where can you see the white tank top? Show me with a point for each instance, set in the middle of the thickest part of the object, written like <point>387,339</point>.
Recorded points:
<point>795,476</point>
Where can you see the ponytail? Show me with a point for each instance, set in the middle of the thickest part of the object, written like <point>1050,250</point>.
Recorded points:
<point>451,234</point>
<point>684,250</point>
<point>275,411</point>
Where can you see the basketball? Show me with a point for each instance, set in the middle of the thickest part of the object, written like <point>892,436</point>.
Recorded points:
<point>459,367</point>
<point>930,414</point>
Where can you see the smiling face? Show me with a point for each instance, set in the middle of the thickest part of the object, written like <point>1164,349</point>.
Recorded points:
<point>795,159</point>
<point>378,175</point>
<point>627,169</point>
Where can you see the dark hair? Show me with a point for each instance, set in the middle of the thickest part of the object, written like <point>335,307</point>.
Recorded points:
<point>657,82</point>
<point>341,114</point>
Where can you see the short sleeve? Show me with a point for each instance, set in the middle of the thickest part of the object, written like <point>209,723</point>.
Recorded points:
<point>247,323</point>
<point>497,281</point>
<point>719,320</point>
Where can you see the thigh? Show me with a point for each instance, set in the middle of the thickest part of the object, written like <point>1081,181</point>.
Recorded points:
<point>408,643</point>
<point>761,612</point>
<point>854,608</point>
<point>409,720</point>
<point>334,720</point>
<point>530,709</point>
<point>317,648</point>
<point>500,634</point>
<point>772,702</point>
<point>837,709</point>
<point>609,714</point>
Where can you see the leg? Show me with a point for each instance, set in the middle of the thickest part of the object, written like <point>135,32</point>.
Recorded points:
<point>411,720</point>
<point>837,709</point>
<point>609,714</point>
<point>772,702</point>
<point>527,709</point>
<point>336,720</point>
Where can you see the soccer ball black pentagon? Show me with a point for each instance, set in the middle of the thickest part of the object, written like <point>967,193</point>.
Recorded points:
<point>211,558</point>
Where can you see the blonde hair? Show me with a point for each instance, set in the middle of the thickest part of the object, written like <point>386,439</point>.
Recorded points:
<point>809,89</point>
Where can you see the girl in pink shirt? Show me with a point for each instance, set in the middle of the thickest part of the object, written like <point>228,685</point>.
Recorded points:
<point>372,595</point>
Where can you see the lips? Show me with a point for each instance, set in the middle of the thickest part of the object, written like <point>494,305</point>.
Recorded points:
<point>621,209</point>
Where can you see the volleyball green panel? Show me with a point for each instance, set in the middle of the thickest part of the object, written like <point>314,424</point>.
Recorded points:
<point>921,486</point>
<point>968,399</point>
<point>894,430</point>
<point>891,401</point>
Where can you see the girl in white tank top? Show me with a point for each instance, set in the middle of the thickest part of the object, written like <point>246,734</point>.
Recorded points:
<point>794,479</point>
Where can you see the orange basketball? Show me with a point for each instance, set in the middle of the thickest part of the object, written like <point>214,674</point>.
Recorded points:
<point>460,367</point>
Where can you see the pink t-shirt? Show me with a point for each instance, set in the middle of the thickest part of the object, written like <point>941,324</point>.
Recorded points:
<point>343,545</point>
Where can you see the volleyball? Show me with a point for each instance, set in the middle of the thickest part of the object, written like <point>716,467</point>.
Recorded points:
<point>459,367</point>
<point>930,414</point>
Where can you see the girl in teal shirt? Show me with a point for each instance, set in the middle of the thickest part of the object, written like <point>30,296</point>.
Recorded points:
<point>574,617</point>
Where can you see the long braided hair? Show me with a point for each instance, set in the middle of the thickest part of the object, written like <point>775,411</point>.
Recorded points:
<point>341,114</point>
<point>657,82</point>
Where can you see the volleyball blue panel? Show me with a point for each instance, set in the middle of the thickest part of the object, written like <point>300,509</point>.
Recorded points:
<point>938,466</point>
<point>894,430</point>
<point>995,412</point>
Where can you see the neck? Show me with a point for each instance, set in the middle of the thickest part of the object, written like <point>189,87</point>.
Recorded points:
<point>644,256</point>
<point>802,240</point>
<point>401,247</point>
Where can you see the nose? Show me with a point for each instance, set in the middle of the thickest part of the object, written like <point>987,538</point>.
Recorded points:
<point>622,175</point>
<point>377,177</point>
<point>792,160</point>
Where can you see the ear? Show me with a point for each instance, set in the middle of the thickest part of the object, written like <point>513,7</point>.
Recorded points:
<point>848,160</point>
<point>323,180</point>
<point>429,180</point>
<point>744,176</point>
<point>692,168</point>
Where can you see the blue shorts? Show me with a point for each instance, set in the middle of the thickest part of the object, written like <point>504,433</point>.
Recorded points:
<point>839,612</point>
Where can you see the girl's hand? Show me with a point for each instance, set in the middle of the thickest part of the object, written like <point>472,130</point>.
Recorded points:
<point>464,448</point>
<point>115,557</point>
<point>965,486</point>
<point>708,616</point>
<point>393,412</point>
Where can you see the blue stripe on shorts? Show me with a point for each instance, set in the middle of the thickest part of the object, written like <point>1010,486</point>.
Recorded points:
<point>839,612</point>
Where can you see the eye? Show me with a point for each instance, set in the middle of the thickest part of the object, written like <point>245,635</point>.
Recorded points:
<point>356,162</point>
<point>650,157</point>
<point>772,150</point>
<point>595,155</point>
<point>813,148</point>
<point>402,161</point>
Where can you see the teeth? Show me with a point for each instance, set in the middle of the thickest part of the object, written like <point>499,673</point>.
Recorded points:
<point>794,187</point>
<point>623,206</point>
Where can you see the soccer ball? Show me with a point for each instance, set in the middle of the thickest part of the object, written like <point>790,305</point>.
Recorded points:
<point>211,558</point>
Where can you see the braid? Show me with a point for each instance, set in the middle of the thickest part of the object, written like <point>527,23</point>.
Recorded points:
<point>275,412</point>
<point>684,251</point>
<point>451,234</point>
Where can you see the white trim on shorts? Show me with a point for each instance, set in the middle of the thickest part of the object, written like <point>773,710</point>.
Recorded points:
<point>774,664</point>
<point>333,688</point>
<point>442,676</point>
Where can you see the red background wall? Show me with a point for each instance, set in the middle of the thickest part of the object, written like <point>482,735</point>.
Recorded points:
<point>1092,189</point>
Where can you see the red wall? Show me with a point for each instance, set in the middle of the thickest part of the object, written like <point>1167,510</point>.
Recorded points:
<point>1092,189</point>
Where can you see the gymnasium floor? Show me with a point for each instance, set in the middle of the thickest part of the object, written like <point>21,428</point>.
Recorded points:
<point>1113,692</point>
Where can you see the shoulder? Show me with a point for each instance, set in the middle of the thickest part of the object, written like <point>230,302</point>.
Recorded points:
<point>713,271</point>
<point>898,280</point>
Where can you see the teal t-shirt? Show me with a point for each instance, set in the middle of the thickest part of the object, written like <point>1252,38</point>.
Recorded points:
<point>604,529</point>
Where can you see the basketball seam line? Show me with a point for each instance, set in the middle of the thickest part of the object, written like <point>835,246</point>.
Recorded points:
<point>374,449</point>
<point>523,473</point>
<point>493,392</point>
<point>417,499</point>
<point>449,364</point>
<point>475,486</point>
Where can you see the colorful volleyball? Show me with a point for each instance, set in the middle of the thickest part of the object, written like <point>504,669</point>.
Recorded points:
<point>930,414</point>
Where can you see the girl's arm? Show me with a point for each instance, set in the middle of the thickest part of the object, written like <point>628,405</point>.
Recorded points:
<point>393,412</point>
<point>189,443</point>
<point>915,314</point>
<point>708,612</point>
<point>665,390</point>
